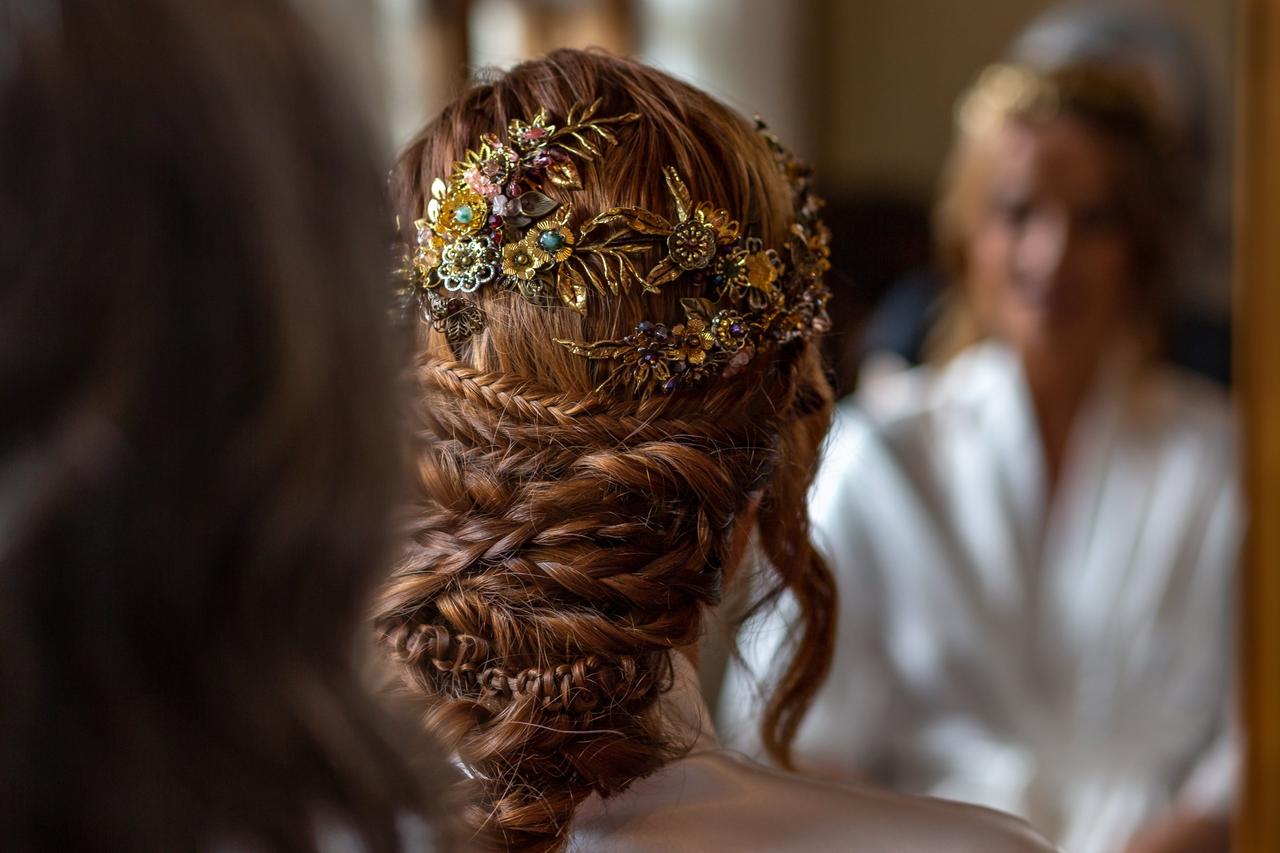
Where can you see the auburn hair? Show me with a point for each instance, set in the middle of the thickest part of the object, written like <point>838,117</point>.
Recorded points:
<point>566,540</point>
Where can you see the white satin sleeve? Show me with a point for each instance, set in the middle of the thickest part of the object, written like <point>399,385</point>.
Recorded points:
<point>1212,785</point>
<point>844,735</point>
<point>844,729</point>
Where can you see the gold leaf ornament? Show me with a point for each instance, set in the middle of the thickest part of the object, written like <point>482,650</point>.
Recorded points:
<point>564,174</point>
<point>438,192</point>
<point>572,289</point>
<point>637,219</point>
<point>598,349</point>
<point>679,193</point>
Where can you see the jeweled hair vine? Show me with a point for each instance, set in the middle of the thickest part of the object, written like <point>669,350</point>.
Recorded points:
<point>490,225</point>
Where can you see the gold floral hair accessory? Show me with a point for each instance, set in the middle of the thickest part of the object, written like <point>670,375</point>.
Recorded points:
<point>490,225</point>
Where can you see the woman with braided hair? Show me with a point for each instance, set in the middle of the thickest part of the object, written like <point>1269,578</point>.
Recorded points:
<point>620,282</point>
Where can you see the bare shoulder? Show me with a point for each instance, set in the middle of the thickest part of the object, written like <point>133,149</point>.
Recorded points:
<point>721,800</point>
<point>885,821</point>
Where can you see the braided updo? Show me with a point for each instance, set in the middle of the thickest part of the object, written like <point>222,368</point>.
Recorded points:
<point>566,540</point>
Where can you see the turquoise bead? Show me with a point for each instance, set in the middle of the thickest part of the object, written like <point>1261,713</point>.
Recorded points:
<point>463,214</point>
<point>551,240</point>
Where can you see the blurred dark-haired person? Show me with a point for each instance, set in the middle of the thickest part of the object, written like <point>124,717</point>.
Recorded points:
<point>198,450</point>
<point>1034,535</point>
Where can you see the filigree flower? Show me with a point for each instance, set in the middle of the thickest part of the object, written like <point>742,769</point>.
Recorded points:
<point>518,261</point>
<point>809,249</point>
<point>730,329</point>
<point>796,322</point>
<point>462,213</point>
<point>692,244</point>
<point>693,340</point>
<point>468,263</point>
<point>730,271</point>
<point>762,269</point>
<point>647,362</point>
<point>551,240</point>
<point>487,170</point>
<point>525,136</point>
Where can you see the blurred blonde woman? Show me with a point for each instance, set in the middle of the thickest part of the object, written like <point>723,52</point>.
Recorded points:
<point>621,284</point>
<point>1034,534</point>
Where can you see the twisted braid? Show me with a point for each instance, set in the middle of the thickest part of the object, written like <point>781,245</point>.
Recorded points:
<point>545,581</point>
<point>574,688</point>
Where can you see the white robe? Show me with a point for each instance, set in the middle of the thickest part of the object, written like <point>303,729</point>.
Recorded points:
<point>1068,663</point>
<point>714,799</point>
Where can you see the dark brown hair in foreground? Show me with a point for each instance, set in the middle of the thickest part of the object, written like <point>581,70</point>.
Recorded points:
<point>197,452</point>
<point>565,541</point>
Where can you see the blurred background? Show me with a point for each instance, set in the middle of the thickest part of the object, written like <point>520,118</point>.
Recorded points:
<point>864,90</point>
<point>867,91</point>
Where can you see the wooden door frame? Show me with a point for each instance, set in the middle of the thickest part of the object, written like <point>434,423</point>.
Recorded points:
<point>1257,368</point>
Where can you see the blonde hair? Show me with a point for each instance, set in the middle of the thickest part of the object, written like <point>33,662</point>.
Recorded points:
<point>1151,171</point>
